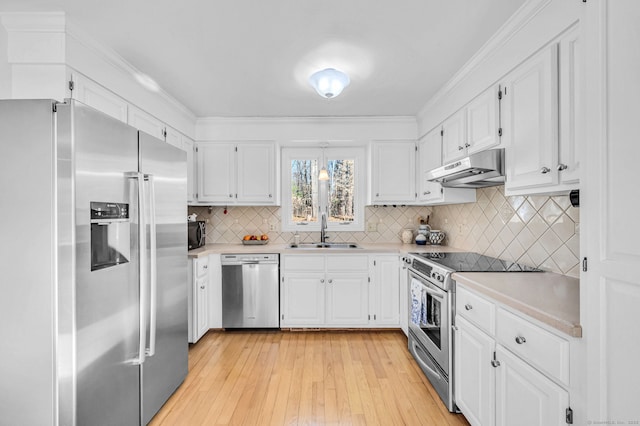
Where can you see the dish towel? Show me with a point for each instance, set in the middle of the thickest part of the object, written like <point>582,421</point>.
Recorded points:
<point>416,302</point>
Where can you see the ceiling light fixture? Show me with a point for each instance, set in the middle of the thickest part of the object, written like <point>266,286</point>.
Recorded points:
<point>323,175</point>
<point>329,82</point>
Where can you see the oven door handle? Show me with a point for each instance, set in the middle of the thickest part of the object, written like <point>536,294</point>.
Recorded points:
<point>417,348</point>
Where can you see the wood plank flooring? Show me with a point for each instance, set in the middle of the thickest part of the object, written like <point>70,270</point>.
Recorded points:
<point>304,378</point>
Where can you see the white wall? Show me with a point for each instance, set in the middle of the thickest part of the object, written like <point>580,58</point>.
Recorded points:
<point>5,69</point>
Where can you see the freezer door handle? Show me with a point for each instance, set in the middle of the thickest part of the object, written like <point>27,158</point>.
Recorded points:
<point>142,241</point>
<point>153,277</point>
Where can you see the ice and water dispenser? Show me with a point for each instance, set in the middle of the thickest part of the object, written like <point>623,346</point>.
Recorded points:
<point>110,234</point>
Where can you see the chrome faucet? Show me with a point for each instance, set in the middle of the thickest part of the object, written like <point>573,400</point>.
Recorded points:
<point>323,228</point>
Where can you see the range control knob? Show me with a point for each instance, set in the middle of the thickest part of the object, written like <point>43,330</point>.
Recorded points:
<point>440,278</point>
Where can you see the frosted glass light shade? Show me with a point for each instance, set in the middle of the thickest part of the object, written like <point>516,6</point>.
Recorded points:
<point>329,82</point>
<point>323,175</point>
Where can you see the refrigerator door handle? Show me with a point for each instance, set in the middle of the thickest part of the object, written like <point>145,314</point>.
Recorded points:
<point>153,267</point>
<point>142,242</point>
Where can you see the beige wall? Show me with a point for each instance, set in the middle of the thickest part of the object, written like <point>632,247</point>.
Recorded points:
<point>538,231</point>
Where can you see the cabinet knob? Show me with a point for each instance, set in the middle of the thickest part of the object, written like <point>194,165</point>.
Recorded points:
<point>468,307</point>
<point>230,195</point>
<point>545,170</point>
<point>467,145</point>
<point>330,281</point>
<point>495,363</point>
<point>205,267</point>
<point>426,193</point>
<point>562,167</point>
<point>202,287</point>
<point>520,340</point>
<point>460,148</point>
<point>322,280</point>
<point>270,196</point>
<point>377,194</point>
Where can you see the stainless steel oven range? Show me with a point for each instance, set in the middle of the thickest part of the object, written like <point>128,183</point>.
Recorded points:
<point>432,310</point>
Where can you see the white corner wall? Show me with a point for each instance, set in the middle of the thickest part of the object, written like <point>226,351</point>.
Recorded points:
<point>5,69</point>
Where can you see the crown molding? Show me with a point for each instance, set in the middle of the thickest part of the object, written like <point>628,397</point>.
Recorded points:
<point>409,120</point>
<point>508,30</point>
<point>116,61</point>
<point>33,21</point>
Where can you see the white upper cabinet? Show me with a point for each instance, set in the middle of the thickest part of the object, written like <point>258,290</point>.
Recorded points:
<point>531,121</point>
<point>242,173</point>
<point>146,122</point>
<point>543,120</point>
<point>256,172</point>
<point>483,121</point>
<point>173,137</point>
<point>429,156</point>
<point>189,147</point>
<point>393,172</point>
<point>96,96</point>
<point>216,172</point>
<point>454,136</point>
<point>570,57</point>
<point>473,128</point>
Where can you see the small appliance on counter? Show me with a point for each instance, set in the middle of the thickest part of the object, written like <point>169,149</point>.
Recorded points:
<point>196,231</point>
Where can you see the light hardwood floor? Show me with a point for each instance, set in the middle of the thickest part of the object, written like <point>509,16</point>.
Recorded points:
<point>304,378</point>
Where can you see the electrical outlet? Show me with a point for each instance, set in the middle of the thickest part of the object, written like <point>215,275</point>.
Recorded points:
<point>372,227</point>
<point>272,227</point>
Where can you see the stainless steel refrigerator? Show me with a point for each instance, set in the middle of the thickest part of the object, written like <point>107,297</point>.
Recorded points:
<point>93,267</point>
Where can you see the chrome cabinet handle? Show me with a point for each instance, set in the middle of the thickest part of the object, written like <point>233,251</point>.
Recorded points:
<point>426,193</point>
<point>460,148</point>
<point>467,145</point>
<point>495,363</point>
<point>468,307</point>
<point>520,340</point>
<point>545,170</point>
<point>562,167</point>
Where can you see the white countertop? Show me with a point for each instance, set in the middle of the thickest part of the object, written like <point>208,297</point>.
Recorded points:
<point>283,249</point>
<point>550,298</point>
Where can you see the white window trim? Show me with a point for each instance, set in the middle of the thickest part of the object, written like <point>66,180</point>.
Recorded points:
<point>321,154</point>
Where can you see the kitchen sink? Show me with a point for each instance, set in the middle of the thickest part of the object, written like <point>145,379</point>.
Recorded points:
<point>340,246</point>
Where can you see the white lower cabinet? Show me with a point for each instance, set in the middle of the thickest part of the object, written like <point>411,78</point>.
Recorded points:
<point>498,385</point>
<point>524,396</point>
<point>198,298</point>
<point>339,291</point>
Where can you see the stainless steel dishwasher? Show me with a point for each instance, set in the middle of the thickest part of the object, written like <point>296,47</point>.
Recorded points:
<point>250,291</point>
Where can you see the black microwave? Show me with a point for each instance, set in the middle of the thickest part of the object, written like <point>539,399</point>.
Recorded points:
<point>196,234</point>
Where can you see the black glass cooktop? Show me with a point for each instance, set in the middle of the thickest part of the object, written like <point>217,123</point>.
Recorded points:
<point>474,262</point>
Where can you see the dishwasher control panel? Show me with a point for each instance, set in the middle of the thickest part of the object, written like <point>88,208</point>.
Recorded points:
<point>235,259</point>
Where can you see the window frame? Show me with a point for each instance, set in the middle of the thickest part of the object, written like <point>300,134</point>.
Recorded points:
<point>320,154</point>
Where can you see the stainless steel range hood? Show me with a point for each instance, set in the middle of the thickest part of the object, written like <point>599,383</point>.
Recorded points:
<point>479,170</point>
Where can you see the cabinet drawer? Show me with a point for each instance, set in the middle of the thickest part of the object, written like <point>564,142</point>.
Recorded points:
<point>201,266</point>
<point>303,263</point>
<point>540,348</point>
<point>348,262</point>
<point>479,311</point>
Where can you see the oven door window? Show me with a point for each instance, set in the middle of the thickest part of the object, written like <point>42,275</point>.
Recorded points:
<point>426,311</point>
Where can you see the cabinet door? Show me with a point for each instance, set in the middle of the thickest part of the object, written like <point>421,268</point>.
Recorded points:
<point>404,298</point>
<point>525,396</point>
<point>530,126</point>
<point>571,107</point>
<point>475,376</point>
<point>386,287</point>
<point>482,121</point>
<point>393,172</point>
<point>173,137</point>
<point>201,295</point>
<point>347,299</point>
<point>91,93</point>
<point>216,169</point>
<point>430,154</point>
<point>256,173</point>
<point>189,147</point>
<point>145,122</point>
<point>302,299</point>
<point>454,137</point>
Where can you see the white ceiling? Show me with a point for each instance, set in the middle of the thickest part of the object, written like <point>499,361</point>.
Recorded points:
<point>252,58</point>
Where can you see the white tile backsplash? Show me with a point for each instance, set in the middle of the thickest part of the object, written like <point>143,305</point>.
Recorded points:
<point>539,231</point>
